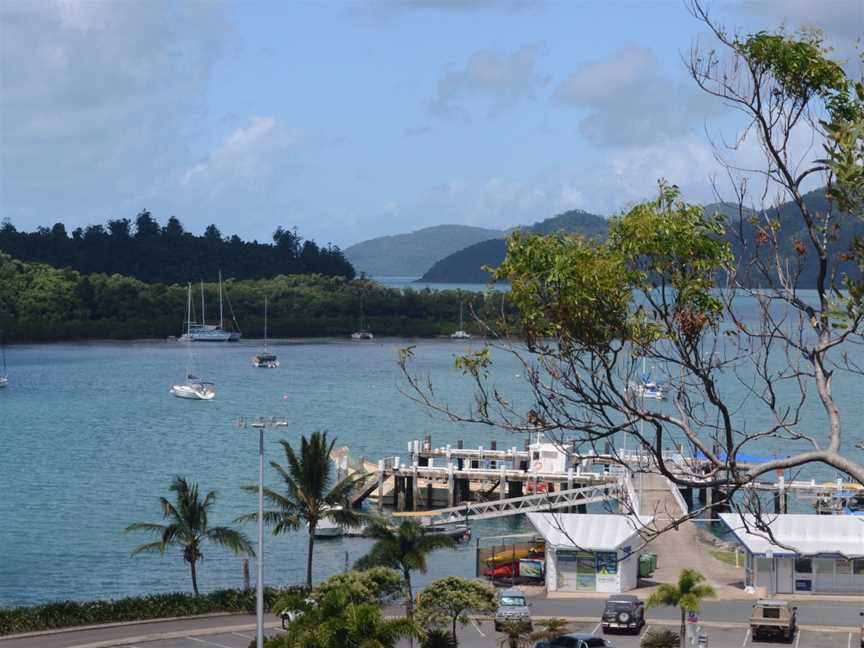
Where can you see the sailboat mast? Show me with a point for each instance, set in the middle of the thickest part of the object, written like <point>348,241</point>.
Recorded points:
<point>461,323</point>
<point>265,324</point>
<point>188,331</point>
<point>220,299</point>
<point>203,319</point>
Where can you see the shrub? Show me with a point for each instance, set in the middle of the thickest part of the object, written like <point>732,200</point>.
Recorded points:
<point>437,638</point>
<point>660,638</point>
<point>63,614</point>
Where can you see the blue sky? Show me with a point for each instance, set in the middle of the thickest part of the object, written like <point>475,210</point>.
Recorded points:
<point>356,119</point>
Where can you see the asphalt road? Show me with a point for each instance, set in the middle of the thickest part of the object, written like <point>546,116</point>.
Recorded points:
<point>826,624</point>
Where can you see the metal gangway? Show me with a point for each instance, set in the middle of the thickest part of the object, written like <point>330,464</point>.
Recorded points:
<point>537,503</point>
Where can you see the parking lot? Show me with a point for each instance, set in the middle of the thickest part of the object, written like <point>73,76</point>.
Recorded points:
<point>482,635</point>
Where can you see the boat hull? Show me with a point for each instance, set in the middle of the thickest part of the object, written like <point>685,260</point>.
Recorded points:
<point>191,392</point>
<point>4,381</point>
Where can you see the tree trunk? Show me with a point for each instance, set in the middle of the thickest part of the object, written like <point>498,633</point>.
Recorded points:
<point>194,577</point>
<point>309,556</point>
<point>409,601</point>
<point>454,630</point>
<point>683,628</point>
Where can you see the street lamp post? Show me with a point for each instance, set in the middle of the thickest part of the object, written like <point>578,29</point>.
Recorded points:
<point>261,424</point>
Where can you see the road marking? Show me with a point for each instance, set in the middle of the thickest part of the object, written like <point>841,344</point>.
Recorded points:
<point>212,643</point>
<point>644,629</point>
<point>849,645</point>
<point>242,635</point>
<point>797,636</point>
<point>477,628</point>
<point>746,638</point>
<point>596,628</point>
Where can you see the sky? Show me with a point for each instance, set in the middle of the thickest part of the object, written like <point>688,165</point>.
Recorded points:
<point>351,120</point>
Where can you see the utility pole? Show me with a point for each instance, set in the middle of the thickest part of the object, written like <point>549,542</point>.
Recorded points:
<point>261,424</point>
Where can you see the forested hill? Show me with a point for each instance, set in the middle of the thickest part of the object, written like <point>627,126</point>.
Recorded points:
<point>466,266</point>
<point>42,303</point>
<point>168,254</point>
<point>412,254</point>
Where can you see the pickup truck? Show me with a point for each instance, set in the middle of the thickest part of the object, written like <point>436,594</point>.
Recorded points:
<point>773,618</point>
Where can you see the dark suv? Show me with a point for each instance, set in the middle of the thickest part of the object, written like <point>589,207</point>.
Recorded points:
<point>623,612</point>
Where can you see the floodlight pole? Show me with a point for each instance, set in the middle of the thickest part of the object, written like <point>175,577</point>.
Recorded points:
<point>261,424</point>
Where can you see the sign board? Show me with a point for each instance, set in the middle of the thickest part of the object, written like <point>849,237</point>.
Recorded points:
<point>607,562</point>
<point>803,585</point>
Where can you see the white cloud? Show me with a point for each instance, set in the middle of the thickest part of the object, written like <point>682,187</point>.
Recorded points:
<point>627,102</point>
<point>99,101</point>
<point>500,80</point>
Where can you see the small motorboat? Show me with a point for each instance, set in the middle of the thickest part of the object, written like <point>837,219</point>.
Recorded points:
<point>459,531</point>
<point>328,529</point>
<point>362,335</point>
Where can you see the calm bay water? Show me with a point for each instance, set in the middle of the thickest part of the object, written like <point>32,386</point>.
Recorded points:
<point>91,438</point>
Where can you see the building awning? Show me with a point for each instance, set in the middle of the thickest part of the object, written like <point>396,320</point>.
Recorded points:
<point>592,532</point>
<point>801,535</point>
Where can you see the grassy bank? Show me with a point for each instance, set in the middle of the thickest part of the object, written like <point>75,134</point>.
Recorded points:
<point>64,614</point>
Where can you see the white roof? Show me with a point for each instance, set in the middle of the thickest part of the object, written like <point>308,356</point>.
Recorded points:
<point>589,531</point>
<point>805,535</point>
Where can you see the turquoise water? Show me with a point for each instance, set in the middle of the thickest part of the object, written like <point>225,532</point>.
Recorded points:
<point>91,438</point>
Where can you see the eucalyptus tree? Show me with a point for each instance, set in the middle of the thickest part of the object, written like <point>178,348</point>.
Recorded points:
<point>592,312</point>
<point>309,493</point>
<point>187,527</point>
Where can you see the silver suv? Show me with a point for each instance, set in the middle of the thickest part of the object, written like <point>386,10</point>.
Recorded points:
<point>513,607</point>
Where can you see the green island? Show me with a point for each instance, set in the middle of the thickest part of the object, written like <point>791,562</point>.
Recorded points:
<point>39,302</point>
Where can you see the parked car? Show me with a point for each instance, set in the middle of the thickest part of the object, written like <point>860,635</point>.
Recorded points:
<point>773,618</point>
<point>513,607</point>
<point>862,631</point>
<point>623,612</point>
<point>576,641</point>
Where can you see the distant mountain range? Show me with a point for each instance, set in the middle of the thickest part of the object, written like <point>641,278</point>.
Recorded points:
<point>466,266</point>
<point>442,255</point>
<point>412,254</point>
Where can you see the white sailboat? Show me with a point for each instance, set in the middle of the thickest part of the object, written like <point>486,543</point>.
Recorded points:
<point>461,333</point>
<point>4,376</point>
<point>363,333</point>
<point>647,386</point>
<point>204,332</point>
<point>265,360</point>
<point>193,388</point>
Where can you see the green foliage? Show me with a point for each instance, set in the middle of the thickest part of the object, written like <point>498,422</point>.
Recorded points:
<point>64,614</point>
<point>169,254</point>
<point>188,527</point>
<point>580,292</point>
<point>377,584</point>
<point>437,638</point>
<point>687,594</point>
<point>41,303</point>
<point>567,287</point>
<point>516,635</point>
<point>310,494</point>
<point>405,548</point>
<point>660,638</point>
<point>336,622</point>
<point>450,600</point>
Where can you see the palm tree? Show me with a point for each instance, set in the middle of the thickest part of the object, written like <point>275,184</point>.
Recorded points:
<point>188,527</point>
<point>687,595</point>
<point>404,548</point>
<point>337,623</point>
<point>308,496</point>
<point>516,635</point>
<point>550,629</point>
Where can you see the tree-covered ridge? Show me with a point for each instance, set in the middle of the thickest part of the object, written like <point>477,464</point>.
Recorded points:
<point>40,302</point>
<point>168,253</point>
<point>466,265</point>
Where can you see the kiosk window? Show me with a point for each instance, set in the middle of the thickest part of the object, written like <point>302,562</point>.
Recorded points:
<point>804,565</point>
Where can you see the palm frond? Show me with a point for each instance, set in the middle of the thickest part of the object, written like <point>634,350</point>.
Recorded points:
<point>231,539</point>
<point>150,547</point>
